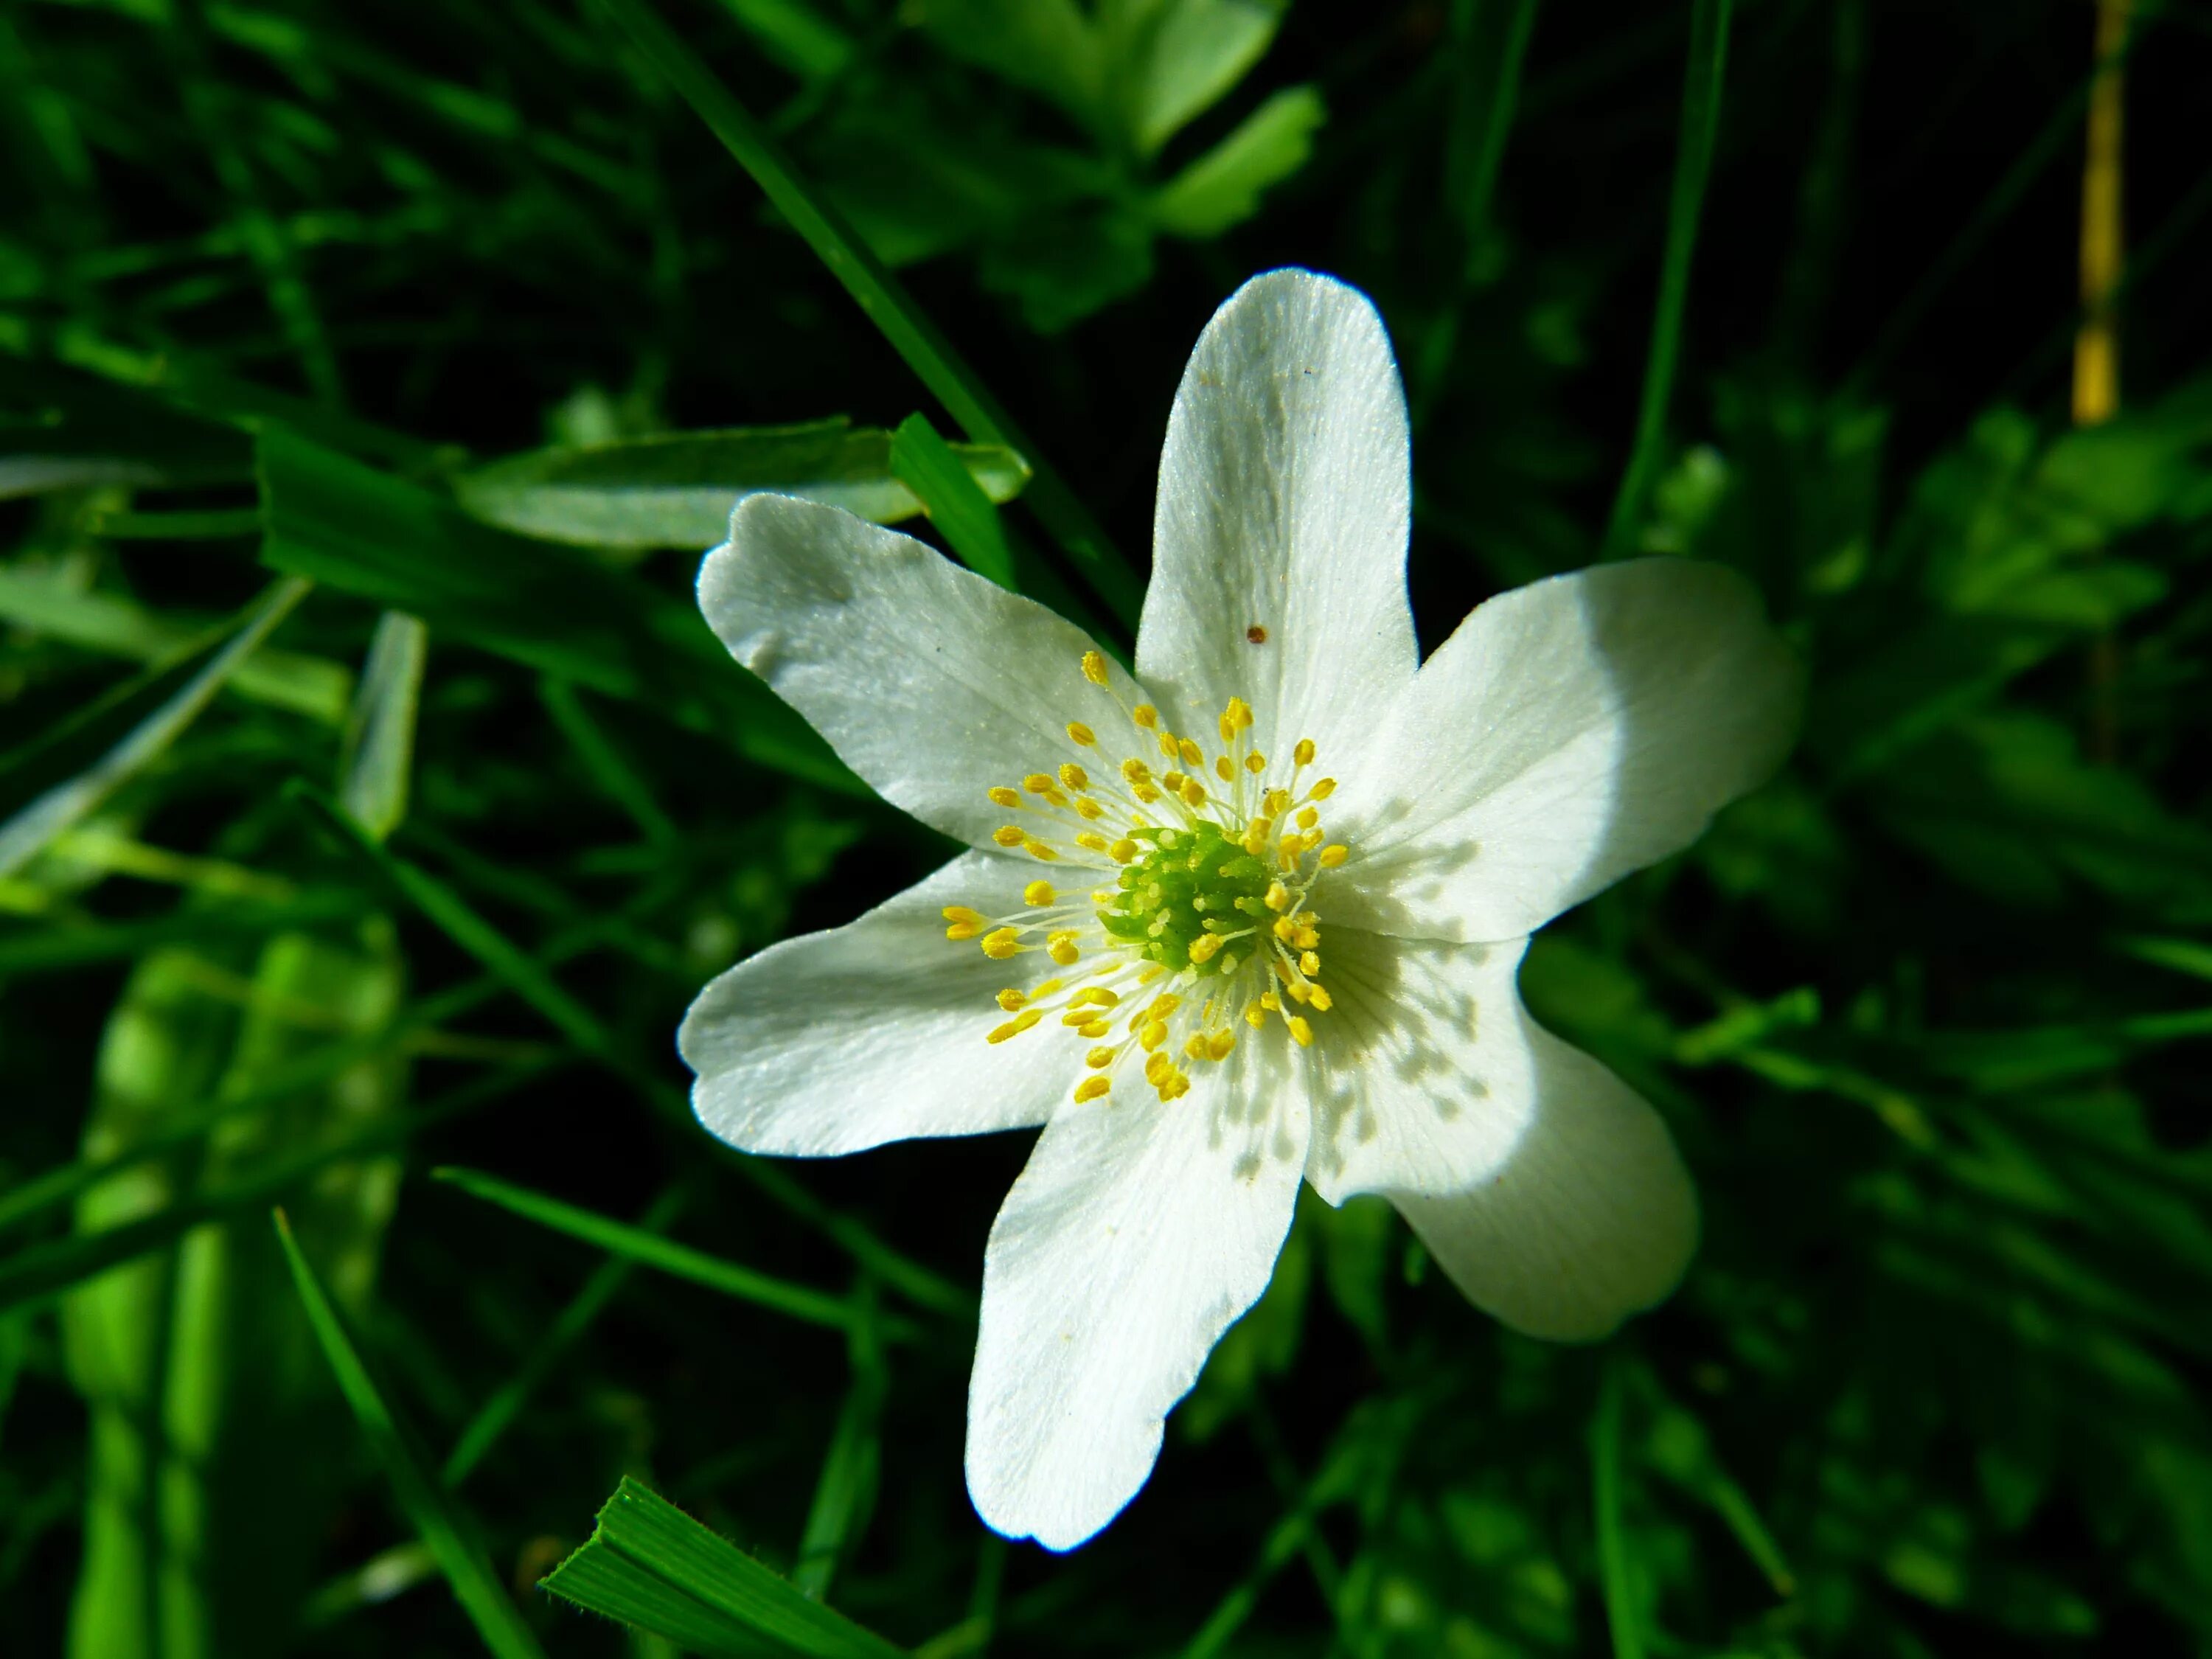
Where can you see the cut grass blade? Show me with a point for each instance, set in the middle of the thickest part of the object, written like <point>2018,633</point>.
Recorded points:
<point>649,1565</point>
<point>1693,159</point>
<point>443,1529</point>
<point>879,295</point>
<point>650,1250</point>
<point>963,513</point>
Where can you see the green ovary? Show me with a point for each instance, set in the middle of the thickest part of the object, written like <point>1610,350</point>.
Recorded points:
<point>1192,883</point>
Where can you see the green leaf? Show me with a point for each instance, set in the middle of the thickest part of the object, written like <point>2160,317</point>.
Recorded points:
<point>63,429</point>
<point>1222,188</point>
<point>962,512</point>
<point>367,533</point>
<point>678,490</point>
<point>56,781</point>
<point>1050,47</point>
<point>380,750</point>
<point>444,1528</point>
<point>650,1250</point>
<point>649,1565</point>
<point>1175,59</point>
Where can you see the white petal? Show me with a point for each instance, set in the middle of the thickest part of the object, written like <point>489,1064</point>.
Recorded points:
<point>1549,1192</point>
<point>1136,1234</point>
<point>875,1031</point>
<point>1570,731</point>
<point>1283,507</point>
<point>930,683</point>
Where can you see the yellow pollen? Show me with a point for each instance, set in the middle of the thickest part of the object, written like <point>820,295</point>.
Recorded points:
<point>1307,817</point>
<point>1256,1017</point>
<point>1171,781</point>
<point>1309,840</point>
<point>1038,783</point>
<point>1037,850</point>
<point>1301,1033</point>
<point>1321,1000</point>
<point>1222,769</point>
<point>1285,929</point>
<point>1094,994</point>
<point>1168,745</point>
<point>1089,809</point>
<point>1061,948</point>
<point>1073,775</point>
<point>1135,771</point>
<point>1152,1036</point>
<point>1303,753</point>
<point>1206,947</point>
<point>1081,734</point>
<point>1323,790</point>
<point>1009,998</point>
<point>1196,1048</point>
<point>1310,962</point>
<point>1146,715</point>
<point>1193,791</point>
<point>1334,855</point>
<point>1093,1029</point>
<point>1278,897</point>
<point>1090,1088</point>
<point>1046,989</point>
<point>1038,892</point>
<point>1014,1027</point>
<point>1275,803</point>
<point>1010,835</point>
<point>1255,762</point>
<point>1001,945</point>
<point>1191,753</point>
<point>1146,793</point>
<point>1123,851</point>
<point>1002,796</point>
<point>1099,1058</point>
<point>1157,1070</point>
<point>1271,1002</point>
<point>1094,668</point>
<point>1289,848</point>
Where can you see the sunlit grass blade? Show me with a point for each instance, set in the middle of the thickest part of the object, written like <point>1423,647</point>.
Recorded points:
<point>443,1529</point>
<point>1616,1565</point>
<point>650,1565</point>
<point>963,513</point>
<point>650,1250</point>
<point>1693,159</point>
<point>885,301</point>
<point>380,750</point>
<point>44,1271</point>
<point>498,1414</point>
<point>57,780</point>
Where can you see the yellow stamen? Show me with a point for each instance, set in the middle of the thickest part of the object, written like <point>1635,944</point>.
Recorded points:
<point>1081,734</point>
<point>1037,850</point>
<point>1332,856</point>
<point>1091,841</point>
<point>1323,790</point>
<point>1099,1058</point>
<point>1089,809</point>
<point>1014,1027</point>
<point>1011,1000</point>
<point>1146,715</point>
<point>1310,962</point>
<point>1090,1088</point>
<point>1010,835</point>
<point>1001,945</point>
<point>1061,947</point>
<point>1123,851</point>
<point>1073,775</point>
<point>1222,769</point>
<point>1308,818</point>
<point>1255,762</point>
<point>1206,947</point>
<point>1002,796</point>
<point>1277,898</point>
<point>1321,1000</point>
<point>1301,1032</point>
<point>1303,753</point>
<point>1193,791</point>
<point>1152,1036</point>
<point>1256,1017</point>
<point>1168,746</point>
<point>1038,892</point>
<point>1218,1045</point>
<point>1191,753</point>
<point>1094,667</point>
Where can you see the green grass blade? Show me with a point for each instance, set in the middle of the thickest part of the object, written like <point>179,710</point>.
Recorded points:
<point>1693,159</point>
<point>1615,1568</point>
<point>650,1250</point>
<point>443,1529</point>
<point>880,295</point>
<point>963,513</point>
<point>650,1565</point>
<point>845,1490</point>
<point>380,748</point>
<point>609,769</point>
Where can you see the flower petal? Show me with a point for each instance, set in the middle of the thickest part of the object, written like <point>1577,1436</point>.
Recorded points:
<point>1282,512</point>
<point>930,683</point>
<point>1548,1190</point>
<point>874,1032</point>
<point>1570,731</point>
<point>1136,1234</point>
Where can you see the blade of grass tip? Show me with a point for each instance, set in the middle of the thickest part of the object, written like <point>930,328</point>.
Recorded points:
<point>955,503</point>
<point>443,1528</point>
<point>380,739</point>
<point>1613,1568</point>
<point>844,1492</point>
<point>1694,159</point>
<point>47,1269</point>
<point>884,302</point>
<point>32,827</point>
<point>497,1414</point>
<point>650,1250</point>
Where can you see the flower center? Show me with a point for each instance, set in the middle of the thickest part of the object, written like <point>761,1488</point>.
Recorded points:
<point>1202,919</point>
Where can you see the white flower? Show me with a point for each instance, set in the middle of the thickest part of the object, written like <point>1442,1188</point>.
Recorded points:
<point>1252,915</point>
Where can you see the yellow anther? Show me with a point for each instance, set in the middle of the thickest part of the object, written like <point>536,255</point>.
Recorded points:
<point>1310,962</point>
<point>1191,753</point>
<point>1288,849</point>
<point>1256,1017</point>
<point>1303,753</point>
<point>1090,1088</point>
<point>1094,994</point>
<point>1323,790</point>
<point>1154,1034</point>
<point>1276,897</point>
<point>1002,796</point>
<point>1093,1029</point>
<point>1081,734</point>
<point>1014,1027</point>
<point>1123,851</point>
<point>1206,947</point>
<point>1061,948</point>
<point>1237,717</point>
<point>1308,939</point>
<point>1299,990</point>
<point>1163,1004</point>
<point>1146,793</point>
<point>1094,667</point>
<point>1285,929</point>
<point>1158,1069</point>
<point>1135,771</point>
<point>1321,1000</point>
<point>1334,855</point>
<point>1011,1000</point>
<point>1218,1045</point>
<point>1307,817</point>
<point>1311,839</point>
<point>1222,769</point>
<point>1275,803</point>
<point>1046,989</point>
<point>1038,783</point>
<point>1010,835</point>
<point>1038,892</point>
<point>1091,841</point>
<point>1171,781</point>
<point>1195,1048</point>
<point>1146,715</point>
<point>1255,762</point>
<point>962,913</point>
<point>1037,850</point>
<point>1271,1002</point>
<point>1001,945</point>
<point>1073,775</point>
<point>1301,1032</point>
<point>1168,746</point>
<point>1089,809</point>
<point>1193,791</point>
<point>1099,1058</point>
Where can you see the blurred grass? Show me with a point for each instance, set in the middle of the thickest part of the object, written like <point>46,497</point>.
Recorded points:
<point>463,316</point>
